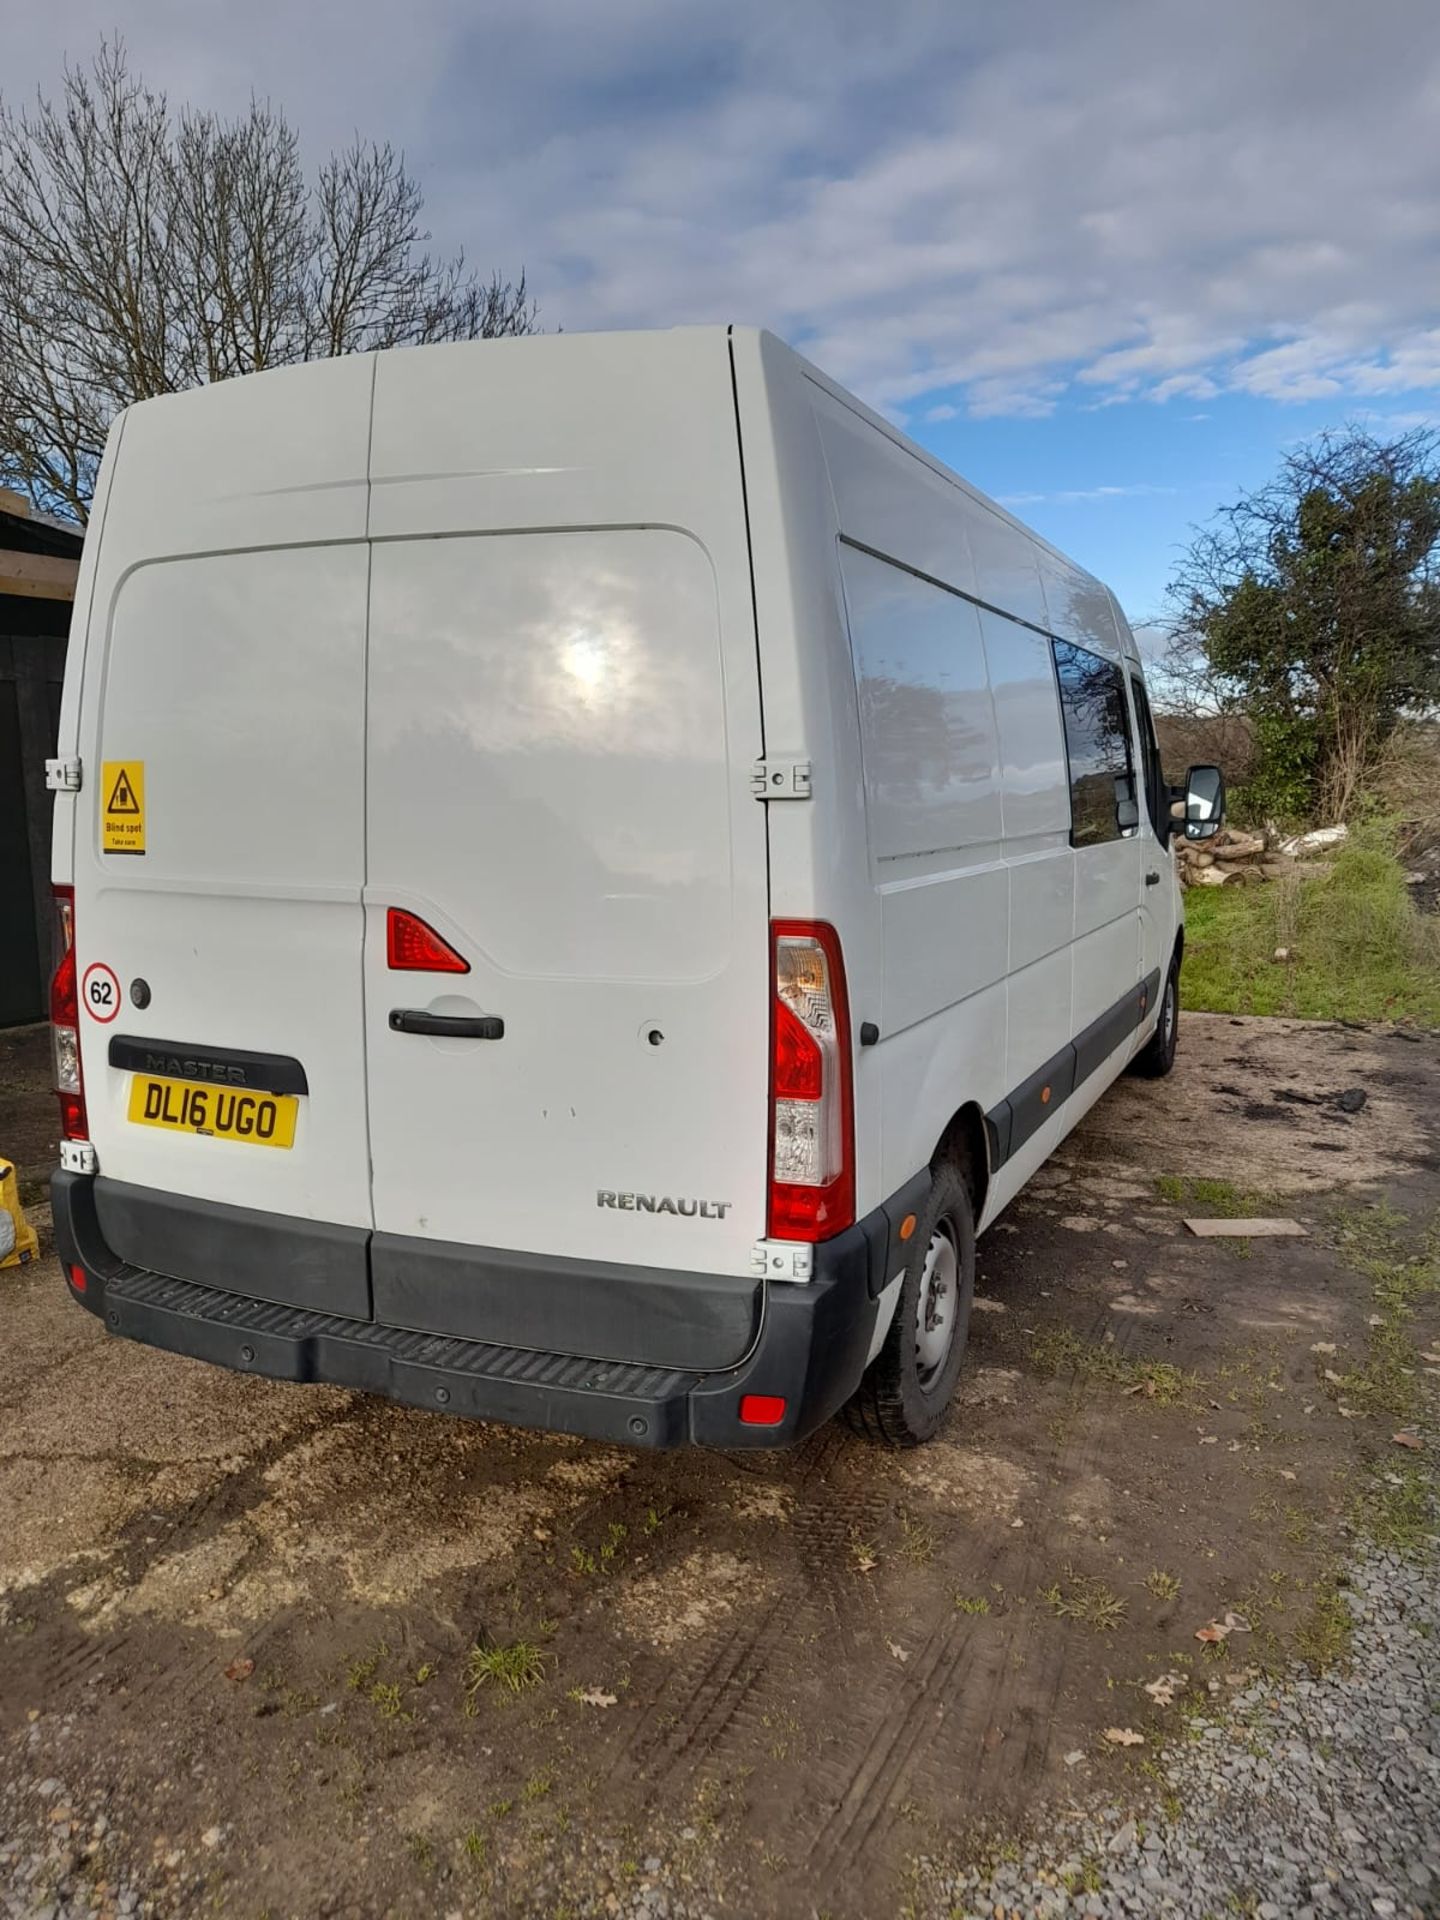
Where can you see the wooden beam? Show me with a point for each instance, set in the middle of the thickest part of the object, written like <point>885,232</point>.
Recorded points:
<point>38,576</point>
<point>12,502</point>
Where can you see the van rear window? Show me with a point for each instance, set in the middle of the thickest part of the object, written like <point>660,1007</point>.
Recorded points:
<point>1097,744</point>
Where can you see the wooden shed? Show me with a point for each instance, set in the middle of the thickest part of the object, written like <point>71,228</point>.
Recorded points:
<point>39,563</point>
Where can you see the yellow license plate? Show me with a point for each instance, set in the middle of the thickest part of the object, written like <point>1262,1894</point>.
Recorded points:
<point>221,1113</point>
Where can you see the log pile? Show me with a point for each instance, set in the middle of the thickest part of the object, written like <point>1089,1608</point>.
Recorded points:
<point>1231,859</point>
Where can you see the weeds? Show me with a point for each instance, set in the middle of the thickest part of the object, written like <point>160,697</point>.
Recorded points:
<point>1323,1638</point>
<point>1082,1597</point>
<point>971,1603</point>
<point>512,1669</point>
<point>1218,1198</point>
<point>473,1845</point>
<point>917,1540</point>
<point>1162,1586</point>
<point>1395,1512</point>
<point>363,1669</point>
<point>1061,1351</point>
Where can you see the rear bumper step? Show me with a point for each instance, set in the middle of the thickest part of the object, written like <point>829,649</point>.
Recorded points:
<point>645,1406</point>
<point>810,1349</point>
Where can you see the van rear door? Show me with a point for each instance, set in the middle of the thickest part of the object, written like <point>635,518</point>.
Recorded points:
<point>219,841</point>
<point>563,711</point>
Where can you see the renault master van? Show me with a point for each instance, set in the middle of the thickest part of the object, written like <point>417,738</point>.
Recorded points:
<point>588,868</point>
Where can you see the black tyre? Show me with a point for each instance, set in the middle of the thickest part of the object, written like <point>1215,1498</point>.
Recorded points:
<point>909,1384</point>
<point>1157,1056</point>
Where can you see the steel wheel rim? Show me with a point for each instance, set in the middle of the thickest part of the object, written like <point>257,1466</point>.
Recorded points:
<point>938,1306</point>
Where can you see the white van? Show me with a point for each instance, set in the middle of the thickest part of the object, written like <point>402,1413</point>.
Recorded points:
<point>590,868</point>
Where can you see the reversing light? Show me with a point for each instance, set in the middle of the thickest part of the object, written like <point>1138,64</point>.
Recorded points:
<point>65,1022</point>
<point>812,1179</point>
<point>412,946</point>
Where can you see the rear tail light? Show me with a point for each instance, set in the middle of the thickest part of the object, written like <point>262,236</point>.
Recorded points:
<point>65,1022</point>
<point>412,946</point>
<point>812,1125</point>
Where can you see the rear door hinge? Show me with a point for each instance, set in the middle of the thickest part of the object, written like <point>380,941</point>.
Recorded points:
<point>783,1260</point>
<point>63,776</point>
<point>78,1156</point>
<point>780,780</point>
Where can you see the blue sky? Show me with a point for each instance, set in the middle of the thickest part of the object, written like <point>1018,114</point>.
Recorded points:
<point>1107,259</point>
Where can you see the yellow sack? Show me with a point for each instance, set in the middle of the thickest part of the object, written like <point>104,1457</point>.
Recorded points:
<point>17,1237</point>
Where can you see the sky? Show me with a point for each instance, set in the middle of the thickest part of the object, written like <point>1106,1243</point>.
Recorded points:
<point>1107,258</point>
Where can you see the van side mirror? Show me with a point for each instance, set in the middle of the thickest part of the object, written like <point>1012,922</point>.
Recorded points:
<point>1204,803</point>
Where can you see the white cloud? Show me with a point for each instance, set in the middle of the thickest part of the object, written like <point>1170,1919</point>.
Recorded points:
<point>1085,496</point>
<point>990,210</point>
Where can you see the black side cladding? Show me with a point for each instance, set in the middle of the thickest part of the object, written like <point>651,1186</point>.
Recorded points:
<point>1024,1111</point>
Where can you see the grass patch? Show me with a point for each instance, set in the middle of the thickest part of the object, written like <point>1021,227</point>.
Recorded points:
<point>1360,948</point>
<point>971,1603</point>
<point>1371,1240</point>
<point>1079,1596</point>
<point>1322,1639</point>
<point>917,1540</point>
<point>1215,1199</point>
<point>1061,1351</point>
<point>512,1669</point>
<point>1395,1512</point>
<point>1162,1585</point>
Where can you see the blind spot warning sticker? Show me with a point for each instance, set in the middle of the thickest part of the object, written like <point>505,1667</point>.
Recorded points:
<point>122,807</point>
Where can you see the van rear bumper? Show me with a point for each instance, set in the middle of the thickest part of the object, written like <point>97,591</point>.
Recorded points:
<point>810,1352</point>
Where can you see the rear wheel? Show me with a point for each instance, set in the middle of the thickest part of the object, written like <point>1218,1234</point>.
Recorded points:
<point>907,1387</point>
<point>1157,1056</point>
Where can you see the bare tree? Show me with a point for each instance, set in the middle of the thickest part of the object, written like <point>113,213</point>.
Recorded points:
<point>143,251</point>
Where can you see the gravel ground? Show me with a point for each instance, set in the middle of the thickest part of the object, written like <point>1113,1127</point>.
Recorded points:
<point>1320,1798</point>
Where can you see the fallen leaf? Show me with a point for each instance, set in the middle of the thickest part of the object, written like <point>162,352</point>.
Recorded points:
<point>1163,1690</point>
<point>1376,1320</point>
<point>1219,1631</point>
<point>1240,1676</point>
<point>1124,1737</point>
<point>897,1651</point>
<point>865,1563</point>
<point>1209,1439</point>
<point>988,1306</point>
<point>1323,1346</point>
<point>1286,1474</point>
<point>1335,1379</point>
<point>1074,1758</point>
<point>1411,1440</point>
<point>541,1533</point>
<point>240,1668</point>
<point>1346,1413</point>
<point>593,1697</point>
<point>1432,1359</point>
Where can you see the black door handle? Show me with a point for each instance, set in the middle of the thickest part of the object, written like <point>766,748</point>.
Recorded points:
<point>457,1026</point>
<point>1152,879</point>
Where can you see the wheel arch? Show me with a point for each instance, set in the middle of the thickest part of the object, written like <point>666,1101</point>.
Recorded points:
<point>965,1140</point>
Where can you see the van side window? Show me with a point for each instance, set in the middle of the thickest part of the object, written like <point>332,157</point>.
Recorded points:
<point>1149,754</point>
<point>1097,745</point>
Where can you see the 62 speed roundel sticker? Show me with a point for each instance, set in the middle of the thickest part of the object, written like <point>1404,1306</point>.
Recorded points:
<point>100,991</point>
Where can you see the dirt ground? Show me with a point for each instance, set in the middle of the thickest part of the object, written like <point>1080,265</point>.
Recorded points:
<point>773,1682</point>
